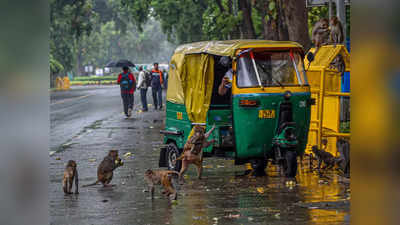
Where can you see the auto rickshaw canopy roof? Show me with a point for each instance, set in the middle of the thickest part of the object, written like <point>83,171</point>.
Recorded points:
<point>228,47</point>
<point>191,71</point>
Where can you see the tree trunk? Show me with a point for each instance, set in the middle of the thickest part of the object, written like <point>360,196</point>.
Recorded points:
<point>296,20</point>
<point>247,25</point>
<point>78,57</point>
<point>273,28</point>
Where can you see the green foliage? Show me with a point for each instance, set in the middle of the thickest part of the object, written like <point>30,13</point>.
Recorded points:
<point>315,14</point>
<point>55,66</point>
<point>96,78</point>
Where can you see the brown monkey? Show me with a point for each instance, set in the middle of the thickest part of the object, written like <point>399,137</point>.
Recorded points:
<point>336,35</point>
<point>106,168</point>
<point>320,33</point>
<point>70,175</point>
<point>323,156</point>
<point>161,177</point>
<point>192,150</point>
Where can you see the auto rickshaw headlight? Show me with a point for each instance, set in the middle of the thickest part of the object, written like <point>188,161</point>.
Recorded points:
<point>287,95</point>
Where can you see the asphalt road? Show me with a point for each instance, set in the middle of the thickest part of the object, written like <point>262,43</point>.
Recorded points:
<point>87,122</point>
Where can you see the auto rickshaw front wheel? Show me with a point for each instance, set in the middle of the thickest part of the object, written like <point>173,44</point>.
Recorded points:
<point>172,154</point>
<point>290,164</point>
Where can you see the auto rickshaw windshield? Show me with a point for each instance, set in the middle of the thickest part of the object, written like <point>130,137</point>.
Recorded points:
<point>270,68</point>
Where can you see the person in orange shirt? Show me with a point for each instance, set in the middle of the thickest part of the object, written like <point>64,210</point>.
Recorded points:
<point>156,82</point>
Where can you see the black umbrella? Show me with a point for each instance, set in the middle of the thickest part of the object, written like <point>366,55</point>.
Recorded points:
<point>124,62</point>
<point>111,64</point>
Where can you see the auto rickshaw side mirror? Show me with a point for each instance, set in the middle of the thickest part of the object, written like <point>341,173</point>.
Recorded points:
<point>310,57</point>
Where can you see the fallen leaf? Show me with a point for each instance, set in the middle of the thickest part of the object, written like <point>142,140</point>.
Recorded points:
<point>250,218</point>
<point>215,218</point>
<point>260,190</point>
<point>208,166</point>
<point>58,158</point>
<point>278,215</point>
<point>52,153</point>
<point>92,160</point>
<point>196,217</point>
<point>126,155</point>
<point>151,127</point>
<point>220,166</point>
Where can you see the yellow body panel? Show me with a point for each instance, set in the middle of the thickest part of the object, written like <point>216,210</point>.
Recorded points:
<point>325,83</point>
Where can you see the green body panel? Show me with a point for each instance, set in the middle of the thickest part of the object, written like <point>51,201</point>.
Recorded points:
<point>253,135</point>
<point>219,117</point>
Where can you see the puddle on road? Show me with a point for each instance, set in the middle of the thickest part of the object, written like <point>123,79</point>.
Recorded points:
<point>225,195</point>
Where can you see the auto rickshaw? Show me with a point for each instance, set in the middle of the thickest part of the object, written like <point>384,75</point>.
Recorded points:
<point>265,115</point>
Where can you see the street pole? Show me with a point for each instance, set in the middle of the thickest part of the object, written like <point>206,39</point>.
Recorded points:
<point>341,15</point>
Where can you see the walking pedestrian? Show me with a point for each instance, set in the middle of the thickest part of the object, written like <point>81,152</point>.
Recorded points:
<point>156,82</point>
<point>142,86</point>
<point>127,83</point>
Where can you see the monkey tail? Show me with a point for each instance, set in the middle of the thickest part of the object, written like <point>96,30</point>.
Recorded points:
<point>65,187</point>
<point>173,172</point>
<point>88,185</point>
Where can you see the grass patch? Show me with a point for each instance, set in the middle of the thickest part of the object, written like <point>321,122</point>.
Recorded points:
<point>344,127</point>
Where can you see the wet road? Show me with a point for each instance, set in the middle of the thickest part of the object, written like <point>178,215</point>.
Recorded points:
<point>90,126</point>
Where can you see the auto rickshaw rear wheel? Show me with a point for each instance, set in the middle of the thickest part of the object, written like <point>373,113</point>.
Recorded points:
<point>290,164</point>
<point>172,154</point>
<point>259,165</point>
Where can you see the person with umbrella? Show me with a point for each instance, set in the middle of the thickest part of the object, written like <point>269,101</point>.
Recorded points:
<point>127,83</point>
<point>156,82</point>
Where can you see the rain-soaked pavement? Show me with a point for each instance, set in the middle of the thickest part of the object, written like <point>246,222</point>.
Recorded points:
<point>225,195</point>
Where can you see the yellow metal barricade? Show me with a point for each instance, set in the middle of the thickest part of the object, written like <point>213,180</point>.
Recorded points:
<point>325,82</point>
<point>66,84</point>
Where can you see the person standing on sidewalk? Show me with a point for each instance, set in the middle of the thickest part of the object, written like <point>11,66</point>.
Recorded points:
<point>127,83</point>
<point>142,85</point>
<point>156,82</point>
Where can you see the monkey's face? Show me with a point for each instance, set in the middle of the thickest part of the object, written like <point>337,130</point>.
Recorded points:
<point>71,163</point>
<point>198,133</point>
<point>148,173</point>
<point>314,149</point>
<point>114,155</point>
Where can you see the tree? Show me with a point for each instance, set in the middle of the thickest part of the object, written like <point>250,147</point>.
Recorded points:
<point>296,19</point>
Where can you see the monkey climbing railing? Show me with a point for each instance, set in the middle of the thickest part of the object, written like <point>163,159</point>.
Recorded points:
<point>325,82</point>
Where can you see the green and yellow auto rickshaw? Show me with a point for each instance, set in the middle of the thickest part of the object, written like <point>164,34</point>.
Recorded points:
<point>264,115</point>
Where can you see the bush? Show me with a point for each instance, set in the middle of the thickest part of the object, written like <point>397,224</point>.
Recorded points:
<point>95,78</point>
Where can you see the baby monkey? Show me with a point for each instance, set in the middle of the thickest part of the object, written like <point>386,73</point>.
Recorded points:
<point>161,177</point>
<point>70,175</point>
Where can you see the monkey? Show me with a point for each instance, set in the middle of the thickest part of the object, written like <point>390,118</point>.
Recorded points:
<point>161,177</point>
<point>324,143</point>
<point>336,35</point>
<point>323,156</point>
<point>192,150</point>
<point>106,168</point>
<point>343,146</point>
<point>320,33</point>
<point>70,176</point>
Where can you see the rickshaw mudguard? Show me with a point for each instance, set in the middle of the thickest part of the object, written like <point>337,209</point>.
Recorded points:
<point>255,127</point>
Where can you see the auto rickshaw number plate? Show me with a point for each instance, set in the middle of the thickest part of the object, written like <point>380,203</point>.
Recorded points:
<point>179,115</point>
<point>266,114</point>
